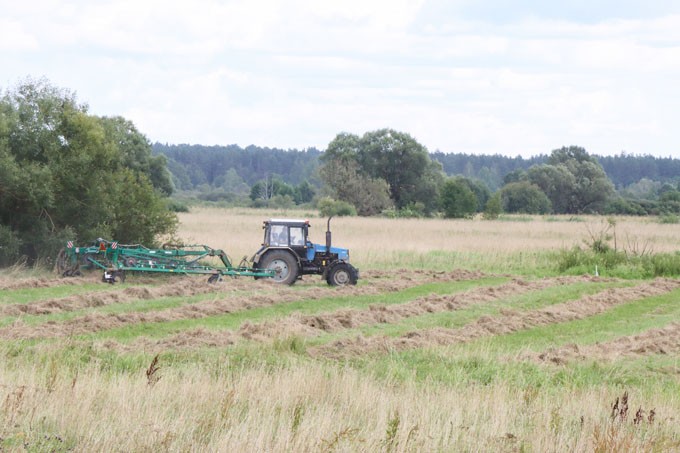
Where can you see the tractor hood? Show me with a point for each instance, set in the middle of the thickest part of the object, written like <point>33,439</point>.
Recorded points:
<point>343,254</point>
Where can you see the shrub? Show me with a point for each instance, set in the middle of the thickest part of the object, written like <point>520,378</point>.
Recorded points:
<point>665,264</point>
<point>524,198</point>
<point>176,205</point>
<point>10,246</point>
<point>329,207</point>
<point>457,200</point>
<point>493,207</point>
<point>412,210</point>
<point>669,219</point>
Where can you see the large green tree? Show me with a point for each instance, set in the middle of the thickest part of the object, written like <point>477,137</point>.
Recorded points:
<point>524,197</point>
<point>579,183</point>
<point>66,174</point>
<point>557,182</point>
<point>368,195</point>
<point>385,155</point>
<point>457,200</point>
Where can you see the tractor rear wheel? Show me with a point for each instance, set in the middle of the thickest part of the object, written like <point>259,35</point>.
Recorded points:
<point>342,274</point>
<point>283,264</point>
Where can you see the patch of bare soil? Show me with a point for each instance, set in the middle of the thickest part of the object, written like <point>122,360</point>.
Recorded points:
<point>268,295</point>
<point>665,340</point>
<point>298,325</point>
<point>507,321</point>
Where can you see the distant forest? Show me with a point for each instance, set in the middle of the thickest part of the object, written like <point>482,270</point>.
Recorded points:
<point>198,167</point>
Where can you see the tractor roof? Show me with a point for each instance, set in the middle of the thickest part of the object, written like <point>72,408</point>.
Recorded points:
<point>289,222</point>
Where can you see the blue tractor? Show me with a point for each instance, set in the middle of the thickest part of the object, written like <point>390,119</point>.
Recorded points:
<point>288,251</point>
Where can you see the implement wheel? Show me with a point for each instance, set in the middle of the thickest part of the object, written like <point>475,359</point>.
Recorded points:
<point>62,263</point>
<point>283,264</point>
<point>342,274</point>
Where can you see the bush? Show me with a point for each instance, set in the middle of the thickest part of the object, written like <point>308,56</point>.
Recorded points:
<point>618,264</point>
<point>457,200</point>
<point>524,198</point>
<point>281,202</point>
<point>665,264</point>
<point>329,207</point>
<point>669,219</point>
<point>176,205</point>
<point>586,260</point>
<point>411,211</point>
<point>10,247</point>
<point>493,207</point>
<point>621,206</point>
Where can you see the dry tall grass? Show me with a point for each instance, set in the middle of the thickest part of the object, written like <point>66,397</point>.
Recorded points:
<point>381,241</point>
<point>311,408</point>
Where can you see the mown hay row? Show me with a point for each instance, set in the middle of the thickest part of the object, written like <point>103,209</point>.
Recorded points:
<point>665,340</point>
<point>507,322</point>
<point>266,296</point>
<point>298,325</point>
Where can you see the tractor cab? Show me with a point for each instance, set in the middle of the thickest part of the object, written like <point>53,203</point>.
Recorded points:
<point>287,233</point>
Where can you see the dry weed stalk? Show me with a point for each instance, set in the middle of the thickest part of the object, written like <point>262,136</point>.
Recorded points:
<point>152,375</point>
<point>345,434</point>
<point>620,408</point>
<point>601,235</point>
<point>51,376</point>
<point>634,247</point>
<point>616,436</point>
<point>12,404</point>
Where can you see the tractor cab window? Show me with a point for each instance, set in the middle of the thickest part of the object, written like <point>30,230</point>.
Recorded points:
<point>278,235</point>
<point>296,237</point>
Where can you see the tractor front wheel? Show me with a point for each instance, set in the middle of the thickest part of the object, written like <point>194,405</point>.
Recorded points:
<point>283,264</point>
<point>342,274</point>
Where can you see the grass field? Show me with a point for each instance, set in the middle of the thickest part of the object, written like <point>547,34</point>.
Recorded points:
<point>460,336</point>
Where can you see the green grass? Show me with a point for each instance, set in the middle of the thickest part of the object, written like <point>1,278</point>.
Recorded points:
<point>26,295</point>
<point>445,367</point>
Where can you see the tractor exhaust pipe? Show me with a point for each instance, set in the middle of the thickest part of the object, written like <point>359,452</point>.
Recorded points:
<point>328,235</point>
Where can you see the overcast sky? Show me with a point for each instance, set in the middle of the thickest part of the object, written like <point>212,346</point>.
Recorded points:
<point>482,77</point>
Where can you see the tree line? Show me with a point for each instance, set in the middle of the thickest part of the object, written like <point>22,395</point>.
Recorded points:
<point>389,172</point>
<point>66,174</point>
<point>237,169</point>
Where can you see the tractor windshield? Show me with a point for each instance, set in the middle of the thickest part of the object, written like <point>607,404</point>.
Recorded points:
<point>278,235</point>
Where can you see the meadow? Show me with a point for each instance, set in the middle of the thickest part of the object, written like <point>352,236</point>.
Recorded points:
<point>462,335</point>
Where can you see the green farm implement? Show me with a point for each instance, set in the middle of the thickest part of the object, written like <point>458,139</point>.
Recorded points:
<point>116,259</point>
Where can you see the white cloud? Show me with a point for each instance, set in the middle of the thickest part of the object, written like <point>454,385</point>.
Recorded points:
<point>15,38</point>
<point>295,73</point>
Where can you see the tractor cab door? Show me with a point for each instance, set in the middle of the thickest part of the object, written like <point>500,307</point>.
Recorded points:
<point>298,240</point>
